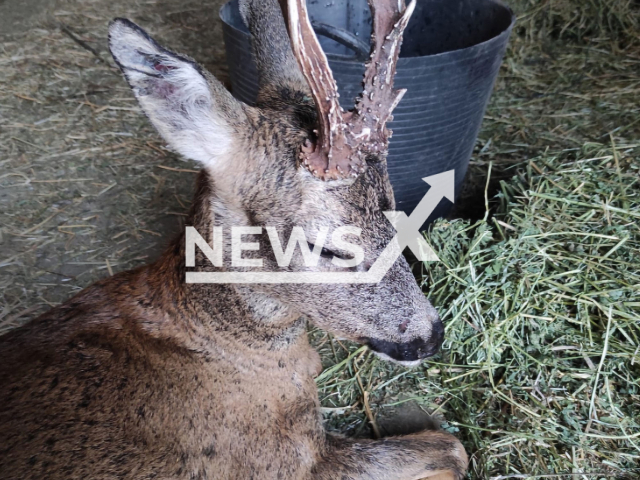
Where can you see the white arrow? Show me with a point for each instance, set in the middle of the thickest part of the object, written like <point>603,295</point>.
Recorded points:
<point>442,185</point>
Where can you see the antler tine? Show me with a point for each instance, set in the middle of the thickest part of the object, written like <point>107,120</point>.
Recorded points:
<point>318,155</point>
<point>345,138</point>
<point>379,99</point>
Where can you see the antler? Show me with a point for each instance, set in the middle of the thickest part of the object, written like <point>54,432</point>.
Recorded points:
<point>344,139</point>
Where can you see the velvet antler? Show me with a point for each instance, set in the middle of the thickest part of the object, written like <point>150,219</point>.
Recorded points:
<point>344,139</point>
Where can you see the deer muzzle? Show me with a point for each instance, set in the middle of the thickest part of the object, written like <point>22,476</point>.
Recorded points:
<point>413,351</point>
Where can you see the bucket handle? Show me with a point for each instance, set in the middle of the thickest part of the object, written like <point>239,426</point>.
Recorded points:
<point>344,37</point>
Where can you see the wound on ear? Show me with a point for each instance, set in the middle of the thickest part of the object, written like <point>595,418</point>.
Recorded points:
<point>162,67</point>
<point>158,85</point>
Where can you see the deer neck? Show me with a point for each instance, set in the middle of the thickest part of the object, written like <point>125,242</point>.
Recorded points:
<point>240,316</point>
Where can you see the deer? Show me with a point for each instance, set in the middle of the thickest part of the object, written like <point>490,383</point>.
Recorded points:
<point>145,376</point>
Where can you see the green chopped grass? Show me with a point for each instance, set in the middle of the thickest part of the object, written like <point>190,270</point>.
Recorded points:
<point>540,371</point>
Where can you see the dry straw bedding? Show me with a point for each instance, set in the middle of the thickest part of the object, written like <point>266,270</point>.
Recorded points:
<point>539,374</point>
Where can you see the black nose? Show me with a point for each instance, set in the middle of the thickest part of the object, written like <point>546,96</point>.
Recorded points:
<point>413,350</point>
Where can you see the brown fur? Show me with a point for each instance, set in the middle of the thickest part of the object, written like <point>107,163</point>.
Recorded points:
<point>143,376</point>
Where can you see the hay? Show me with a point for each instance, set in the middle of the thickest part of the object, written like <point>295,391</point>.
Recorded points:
<point>553,95</point>
<point>544,319</point>
<point>540,371</point>
<point>86,186</point>
<point>584,21</point>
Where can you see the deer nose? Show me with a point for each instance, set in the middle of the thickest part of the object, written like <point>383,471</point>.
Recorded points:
<point>413,350</point>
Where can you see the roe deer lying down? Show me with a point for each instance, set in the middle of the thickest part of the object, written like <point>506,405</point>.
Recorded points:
<point>143,376</point>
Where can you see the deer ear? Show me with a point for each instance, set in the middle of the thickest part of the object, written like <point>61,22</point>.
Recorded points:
<point>194,113</point>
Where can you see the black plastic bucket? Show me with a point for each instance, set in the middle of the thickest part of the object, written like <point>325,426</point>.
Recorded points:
<point>449,61</point>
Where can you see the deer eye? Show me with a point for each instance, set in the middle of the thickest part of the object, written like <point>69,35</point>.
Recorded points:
<point>326,253</point>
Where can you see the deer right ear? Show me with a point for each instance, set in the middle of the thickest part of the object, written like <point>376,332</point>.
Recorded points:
<point>194,113</point>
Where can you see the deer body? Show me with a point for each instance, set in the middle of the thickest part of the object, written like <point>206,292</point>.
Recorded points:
<point>144,376</point>
<point>113,390</point>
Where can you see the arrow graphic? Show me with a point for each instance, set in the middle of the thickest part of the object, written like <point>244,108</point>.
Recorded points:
<point>408,235</point>
<point>442,185</point>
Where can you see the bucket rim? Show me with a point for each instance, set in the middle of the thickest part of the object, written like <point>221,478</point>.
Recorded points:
<point>349,58</point>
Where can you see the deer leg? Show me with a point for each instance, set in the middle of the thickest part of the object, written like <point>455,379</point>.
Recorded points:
<point>432,455</point>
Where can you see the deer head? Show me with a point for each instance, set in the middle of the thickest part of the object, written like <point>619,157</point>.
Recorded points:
<point>296,159</point>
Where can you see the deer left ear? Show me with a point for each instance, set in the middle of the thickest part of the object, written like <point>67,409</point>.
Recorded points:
<point>194,113</point>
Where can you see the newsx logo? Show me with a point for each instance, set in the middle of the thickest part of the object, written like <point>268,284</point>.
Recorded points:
<point>311,256</point>
<point>408,235</point>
